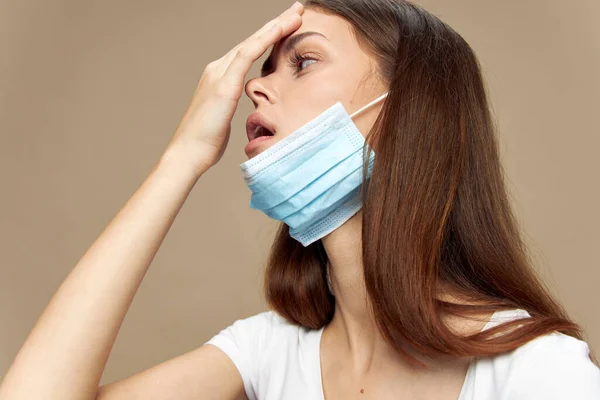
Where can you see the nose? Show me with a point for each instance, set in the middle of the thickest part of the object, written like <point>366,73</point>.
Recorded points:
<point>256,89</point>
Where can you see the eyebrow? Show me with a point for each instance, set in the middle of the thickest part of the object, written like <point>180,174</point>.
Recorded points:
<point>288,45</point>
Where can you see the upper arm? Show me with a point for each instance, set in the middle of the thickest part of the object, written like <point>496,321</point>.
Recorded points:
<point>205,373</point>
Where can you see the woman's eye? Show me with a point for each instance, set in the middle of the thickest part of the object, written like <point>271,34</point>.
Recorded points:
<point>305,60</point>
<point>298,61</point>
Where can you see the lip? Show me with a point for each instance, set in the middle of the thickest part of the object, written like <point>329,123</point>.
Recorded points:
<point>255,143</point>
<point>255,119</point>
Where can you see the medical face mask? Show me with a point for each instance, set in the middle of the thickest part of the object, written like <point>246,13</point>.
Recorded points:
<point>311,180</point>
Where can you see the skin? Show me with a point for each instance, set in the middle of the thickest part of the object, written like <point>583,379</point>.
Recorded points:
<point>354,355</point>
<point>337,70</point>
<point>78,328</point>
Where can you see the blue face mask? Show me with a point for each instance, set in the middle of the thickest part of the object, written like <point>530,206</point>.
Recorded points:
<point>312,179</point>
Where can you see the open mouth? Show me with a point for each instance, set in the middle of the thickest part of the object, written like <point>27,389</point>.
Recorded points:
<point>257,126</point>
<point>261,131</point>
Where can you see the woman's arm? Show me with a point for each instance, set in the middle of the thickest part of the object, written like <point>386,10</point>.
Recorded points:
<point>66,352</point>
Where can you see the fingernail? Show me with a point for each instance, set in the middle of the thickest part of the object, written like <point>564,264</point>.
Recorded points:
<point>296,4</point>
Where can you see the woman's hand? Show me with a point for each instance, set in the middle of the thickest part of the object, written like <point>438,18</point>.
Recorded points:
<point>204,131</point>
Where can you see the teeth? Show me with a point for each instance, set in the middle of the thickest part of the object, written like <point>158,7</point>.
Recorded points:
<point>261,131</point>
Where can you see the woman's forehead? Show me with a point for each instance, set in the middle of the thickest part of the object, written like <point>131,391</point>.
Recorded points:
<point>334,27</point>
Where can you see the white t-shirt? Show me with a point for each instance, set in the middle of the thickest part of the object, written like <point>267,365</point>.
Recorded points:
<point>279,360</point>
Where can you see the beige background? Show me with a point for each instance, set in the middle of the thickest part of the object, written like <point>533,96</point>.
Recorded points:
<point>91,92</point>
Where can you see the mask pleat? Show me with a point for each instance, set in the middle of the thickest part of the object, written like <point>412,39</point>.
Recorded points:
<point>311,179</point>
<point>331,183</point>
<point>328,201</point>
<point>317,172</point>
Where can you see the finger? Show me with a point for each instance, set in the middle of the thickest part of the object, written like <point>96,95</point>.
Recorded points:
<point>297,8</point>
<point>242,61</point>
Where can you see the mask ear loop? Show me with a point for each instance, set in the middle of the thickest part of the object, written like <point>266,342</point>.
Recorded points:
<point>383,96</point>
<point>370,104</point>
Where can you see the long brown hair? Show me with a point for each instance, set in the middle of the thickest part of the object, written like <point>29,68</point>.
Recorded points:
<point>437,214</point>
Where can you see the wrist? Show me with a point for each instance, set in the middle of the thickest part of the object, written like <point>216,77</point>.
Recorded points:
<point>184,161</point>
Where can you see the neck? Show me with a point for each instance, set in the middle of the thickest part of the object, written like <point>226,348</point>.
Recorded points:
<point>353,330</point>
<point>353,325</point>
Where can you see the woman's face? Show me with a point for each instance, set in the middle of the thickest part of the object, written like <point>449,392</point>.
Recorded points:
<point>310,70</point>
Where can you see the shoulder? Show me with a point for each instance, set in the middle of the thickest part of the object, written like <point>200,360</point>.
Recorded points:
<point>264,327</point>
<point>553,366</point>
<point>266,321</point>
<point>257,345</point>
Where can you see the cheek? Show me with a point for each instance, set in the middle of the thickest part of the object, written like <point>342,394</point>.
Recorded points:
<point>303,113</point>
<point>314,93</point>
<point>308,107</point>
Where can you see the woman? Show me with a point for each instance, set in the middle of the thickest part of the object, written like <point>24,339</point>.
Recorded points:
<point>417,288</point>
